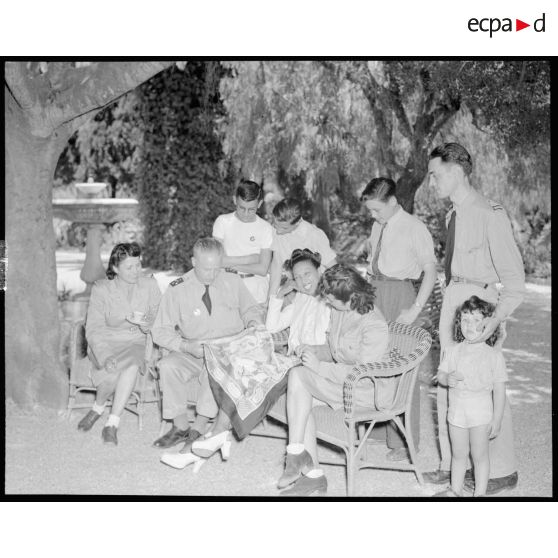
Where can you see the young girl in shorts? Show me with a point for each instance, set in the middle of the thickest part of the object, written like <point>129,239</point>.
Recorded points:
<point>475,374</point>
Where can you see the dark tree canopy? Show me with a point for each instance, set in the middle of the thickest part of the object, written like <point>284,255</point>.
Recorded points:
<point>180,178</point>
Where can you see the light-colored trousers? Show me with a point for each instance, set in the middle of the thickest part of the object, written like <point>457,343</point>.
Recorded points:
<point>501,448</point>
<point>176,370</point>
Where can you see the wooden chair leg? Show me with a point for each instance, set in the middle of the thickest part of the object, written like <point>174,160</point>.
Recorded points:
<point>408,437</point>
<point>351,462</point>
<point>71,403</point>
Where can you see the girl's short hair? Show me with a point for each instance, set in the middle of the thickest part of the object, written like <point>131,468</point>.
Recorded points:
<point>288,209</point>
<point>248,191</point>
<point>119,253</point>
<point>379,189</point>
<point>303,255</point>
<point>345,283</point>
<point>474,304</point>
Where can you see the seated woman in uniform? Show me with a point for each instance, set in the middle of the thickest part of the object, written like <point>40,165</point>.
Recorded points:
<point>358,333</point>
<point>307,316</point>
<point>116,346</point>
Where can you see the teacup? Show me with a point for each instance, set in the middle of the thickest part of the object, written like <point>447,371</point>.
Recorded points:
<point>138,316</point>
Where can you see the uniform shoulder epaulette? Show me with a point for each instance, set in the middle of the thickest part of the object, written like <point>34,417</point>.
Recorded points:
<point>177,282</point>
<point>495,206</point>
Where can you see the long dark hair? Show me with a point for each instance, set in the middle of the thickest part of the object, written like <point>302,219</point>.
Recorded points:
<point>345,283</point>
<point>471,305</point>
<point>119,253</point>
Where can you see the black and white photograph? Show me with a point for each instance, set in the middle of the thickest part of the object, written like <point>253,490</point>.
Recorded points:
<point>279,278</point>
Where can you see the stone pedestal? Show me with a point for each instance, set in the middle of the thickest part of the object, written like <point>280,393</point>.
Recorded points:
<point>93,212</point>
<point>93,268</point>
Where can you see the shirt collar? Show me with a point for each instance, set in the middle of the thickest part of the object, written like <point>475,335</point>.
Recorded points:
<point>465,200</point>
<point>395,217</point>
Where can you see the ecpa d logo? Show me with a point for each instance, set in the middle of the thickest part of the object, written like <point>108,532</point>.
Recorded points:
<point>494,24</point>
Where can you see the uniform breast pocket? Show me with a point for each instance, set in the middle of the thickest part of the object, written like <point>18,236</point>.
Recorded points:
<point>470,245</point>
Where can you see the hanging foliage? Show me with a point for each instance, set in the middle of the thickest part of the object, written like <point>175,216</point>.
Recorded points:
<point>182,187</point>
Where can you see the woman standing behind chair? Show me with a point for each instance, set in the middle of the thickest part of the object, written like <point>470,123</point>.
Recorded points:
<point>358,334</point>
<point>116,346</point>
<point>401,249</point>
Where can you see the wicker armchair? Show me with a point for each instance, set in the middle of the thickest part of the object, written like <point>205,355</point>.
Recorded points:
<point>408,346</point>
<point>145,392</point>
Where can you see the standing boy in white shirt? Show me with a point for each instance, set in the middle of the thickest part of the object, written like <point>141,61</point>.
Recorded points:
<point>247,240</point>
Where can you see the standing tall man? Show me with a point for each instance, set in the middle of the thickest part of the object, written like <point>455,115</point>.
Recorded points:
<point>207,302</point>
<point>480,252</point>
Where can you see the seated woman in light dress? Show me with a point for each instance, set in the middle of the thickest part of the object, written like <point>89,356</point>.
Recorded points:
<point>307,316</point>
<point>116,346</point>
<point>358,334</point>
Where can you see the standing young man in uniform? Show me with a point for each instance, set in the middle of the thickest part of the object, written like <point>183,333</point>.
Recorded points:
<point>207,302</point>
<point>480,252</point>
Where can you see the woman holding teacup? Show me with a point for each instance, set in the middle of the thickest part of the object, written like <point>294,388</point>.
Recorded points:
<point>121,310</point>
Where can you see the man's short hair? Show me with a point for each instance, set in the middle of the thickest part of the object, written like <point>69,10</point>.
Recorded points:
<point>454,153</point>
<point>208,244</point>
<point>289,210</point>
<point>379,189</point>
<point>249,190</point>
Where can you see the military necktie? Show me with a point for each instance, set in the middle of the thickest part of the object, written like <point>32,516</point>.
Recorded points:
<point>450,244</point>
<point>375,269</point>
<point>206,299</point>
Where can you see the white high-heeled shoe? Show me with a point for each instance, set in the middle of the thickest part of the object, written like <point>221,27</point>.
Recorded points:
<point>210,444</point>
<point>181,460</point>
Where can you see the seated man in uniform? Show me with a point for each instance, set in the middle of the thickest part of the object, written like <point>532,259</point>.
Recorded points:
<point>206,302</point>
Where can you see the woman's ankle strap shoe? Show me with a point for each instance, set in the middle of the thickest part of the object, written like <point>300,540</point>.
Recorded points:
<point>87,422</point>
<point>307,486</point>
<point>296,464</point>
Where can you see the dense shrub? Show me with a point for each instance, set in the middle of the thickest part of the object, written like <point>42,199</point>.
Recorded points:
<point>181,187</point>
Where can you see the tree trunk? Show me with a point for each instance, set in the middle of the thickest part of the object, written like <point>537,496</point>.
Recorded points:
<point>34,373</point>
<point>327,182</point>
<point>413,176</point>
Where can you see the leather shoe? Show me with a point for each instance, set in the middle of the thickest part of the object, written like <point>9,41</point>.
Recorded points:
<point>295,465</point>
<point>306,486</point>
<point>173,437</point>
<point>87,422</point>
<point>191,437</point>
<point>494,486</point>
<point>109,435</point>
<point>442,477</point>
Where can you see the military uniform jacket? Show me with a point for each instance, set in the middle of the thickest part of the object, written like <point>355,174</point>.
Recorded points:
<point>485,249</point>
<point>106,328</point>
<point>183,315</point>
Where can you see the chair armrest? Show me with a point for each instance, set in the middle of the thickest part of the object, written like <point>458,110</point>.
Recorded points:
<point>388,368</point>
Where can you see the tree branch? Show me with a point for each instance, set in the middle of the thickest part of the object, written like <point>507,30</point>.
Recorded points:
<point>19,84</point>
<point>96,86</point>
